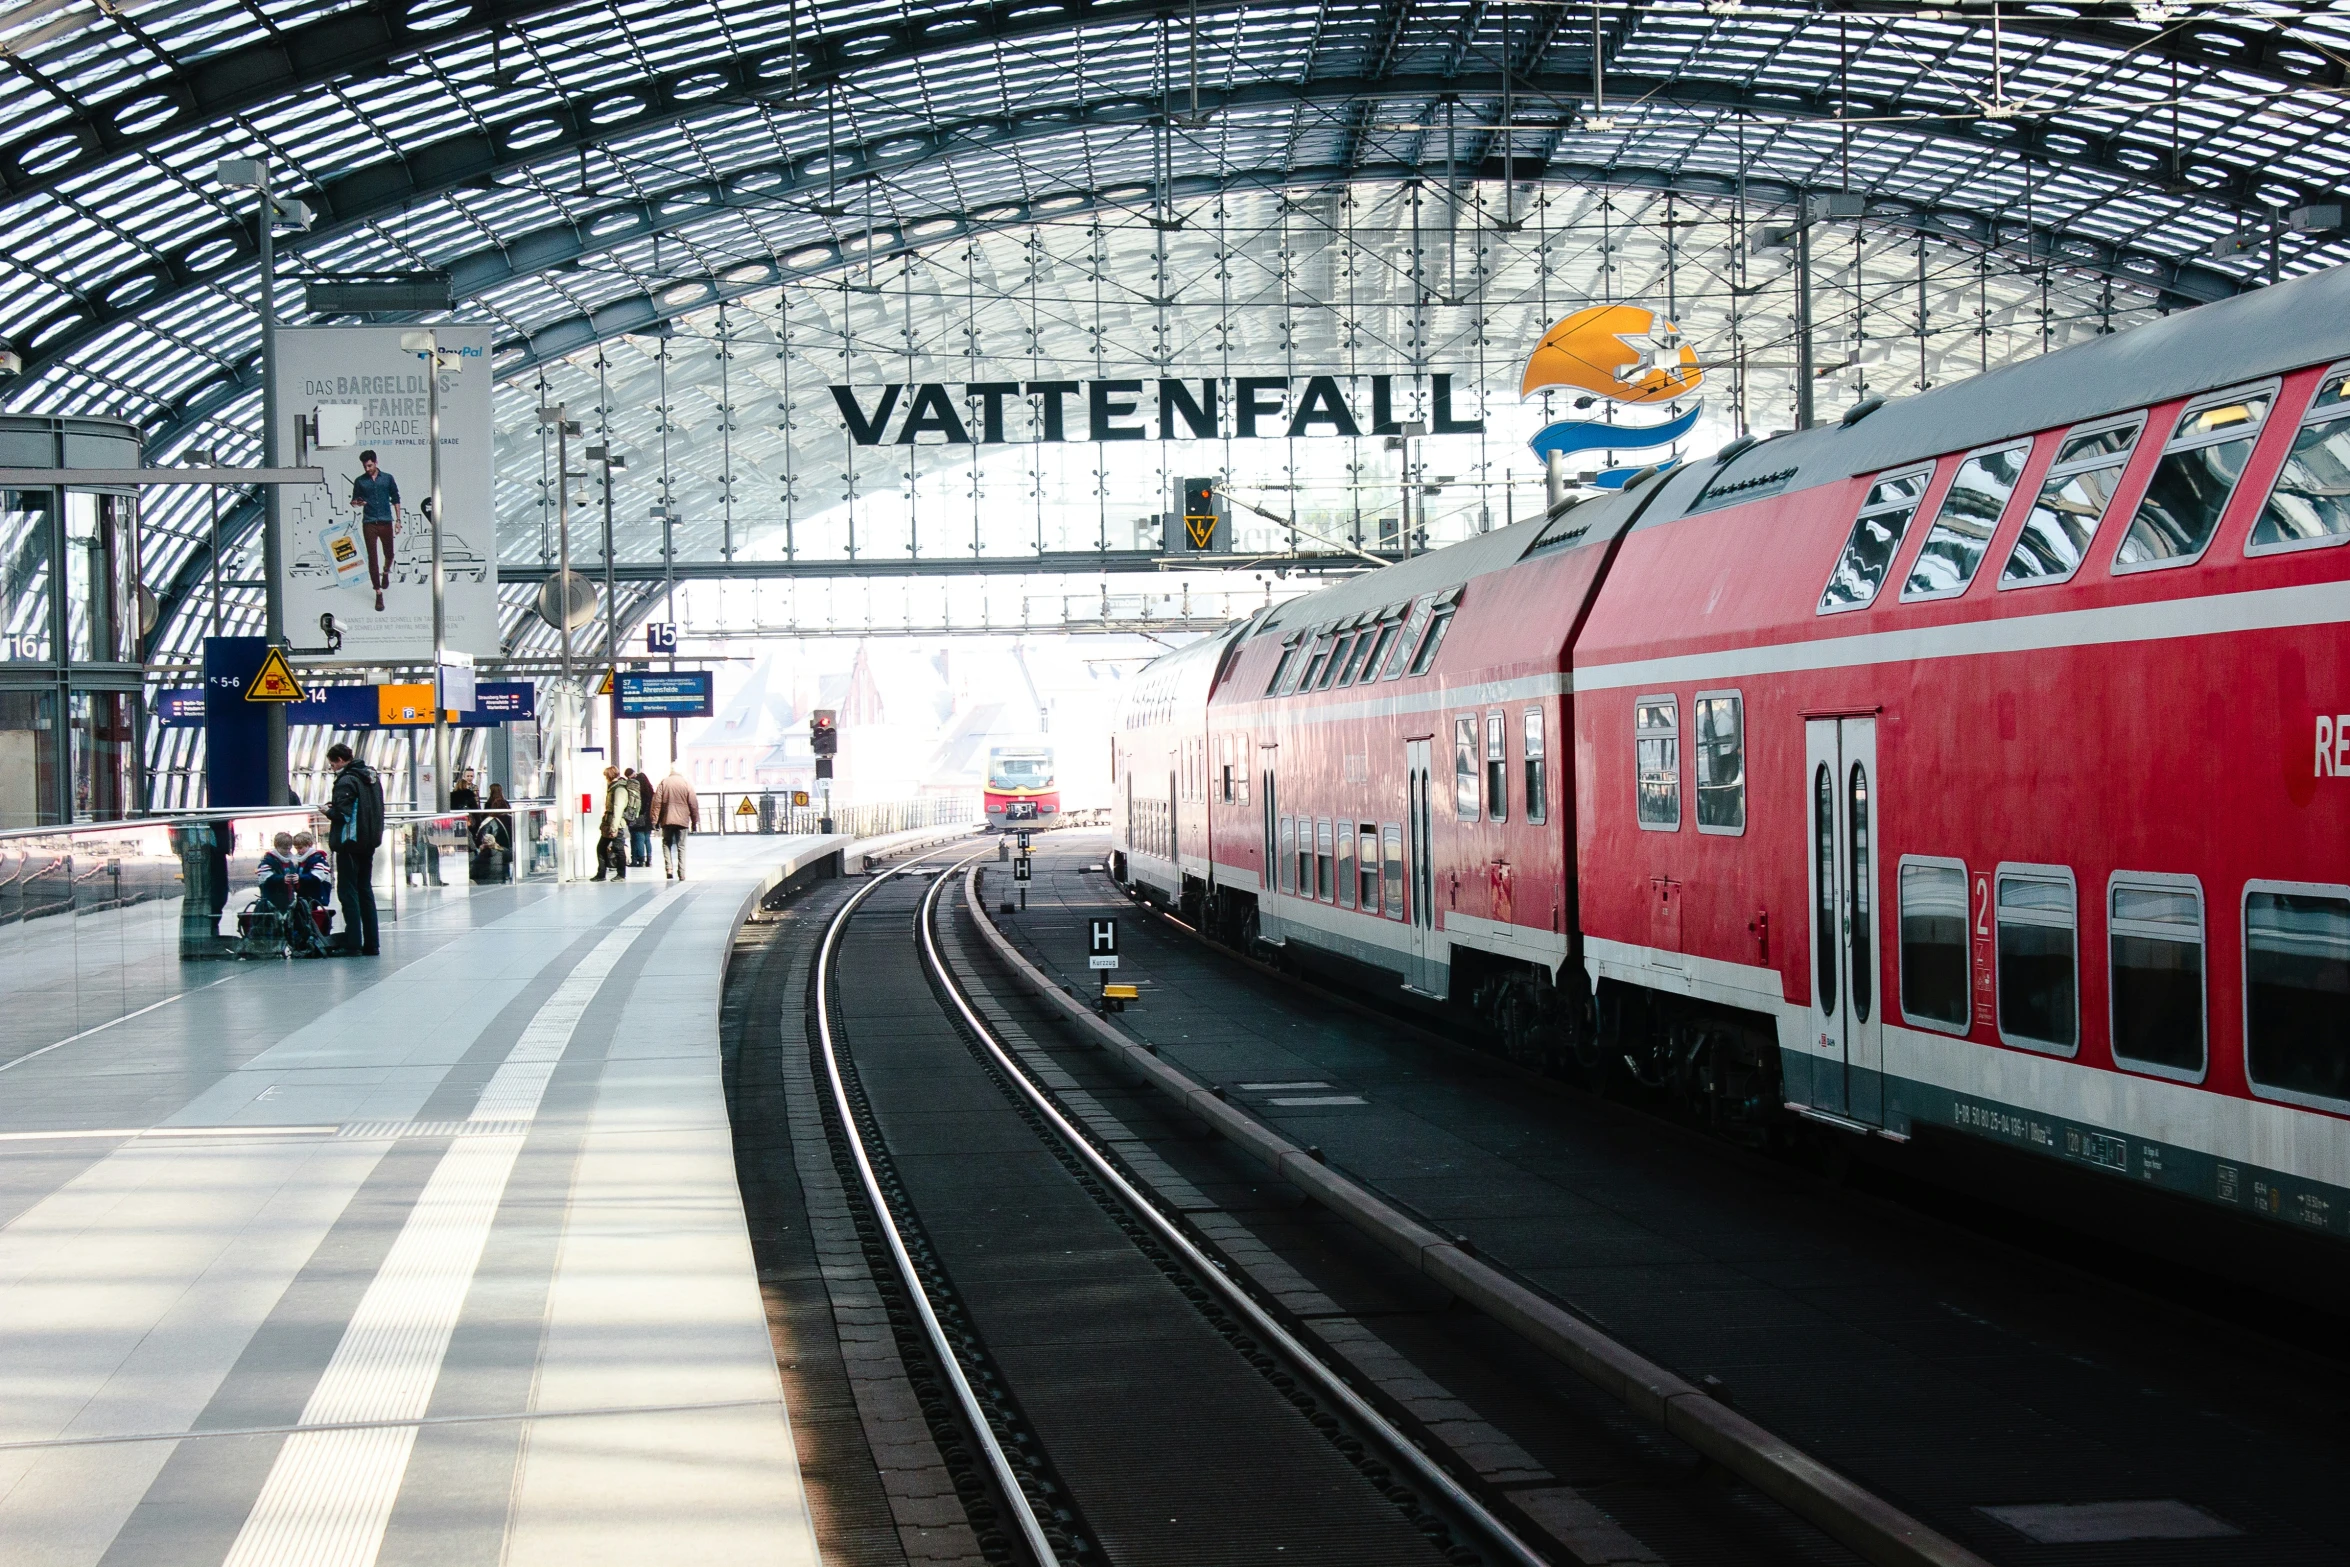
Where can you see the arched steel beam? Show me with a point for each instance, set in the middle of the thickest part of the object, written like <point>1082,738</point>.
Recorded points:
<point>363,43</point>
<point>642,313</point>
<point>684,206</point>
<point>385,187</point>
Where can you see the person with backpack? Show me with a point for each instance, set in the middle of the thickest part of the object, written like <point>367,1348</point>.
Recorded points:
<point>355,818</point>
<point>612,832</point>
<point>640,819</point>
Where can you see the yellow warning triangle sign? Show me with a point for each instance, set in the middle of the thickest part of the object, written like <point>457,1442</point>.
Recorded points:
<point>606,688</point>
<point>275,681</point>
<point>746,808</point>
<point>1202,530</point>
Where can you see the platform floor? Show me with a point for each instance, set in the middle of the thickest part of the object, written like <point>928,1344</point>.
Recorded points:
<point>432,1258</point>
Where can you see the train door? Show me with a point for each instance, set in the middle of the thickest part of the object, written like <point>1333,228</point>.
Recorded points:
<point>1420,865</point>
<point>1269,872</point>
<point>1840,755</point>
<point>1174,831</point>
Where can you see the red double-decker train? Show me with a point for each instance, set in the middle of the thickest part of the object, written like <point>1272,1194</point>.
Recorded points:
<point>1980,762</point>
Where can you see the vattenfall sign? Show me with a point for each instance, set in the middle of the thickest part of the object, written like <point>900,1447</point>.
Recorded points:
<point>1204,409</point>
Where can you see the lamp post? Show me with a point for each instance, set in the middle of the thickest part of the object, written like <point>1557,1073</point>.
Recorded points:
<point>253,174</point>
<point>426,345</point>
<point>556,416</point>
<point>609,460</point>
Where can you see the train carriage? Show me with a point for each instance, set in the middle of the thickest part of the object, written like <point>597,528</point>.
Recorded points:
<point>1977,763</point>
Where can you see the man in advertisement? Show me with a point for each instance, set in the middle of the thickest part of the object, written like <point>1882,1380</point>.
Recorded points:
<point>375,495</point>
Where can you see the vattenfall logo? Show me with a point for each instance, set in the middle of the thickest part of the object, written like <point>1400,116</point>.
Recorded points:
<point>1242,407</point>
<point>1623,355</point>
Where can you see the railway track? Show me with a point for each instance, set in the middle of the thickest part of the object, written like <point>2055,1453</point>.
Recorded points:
<point>1079,1331</point>
<point>1111,1394</point>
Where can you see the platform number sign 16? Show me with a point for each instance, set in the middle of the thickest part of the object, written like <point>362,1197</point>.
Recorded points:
<point>1101,943</point>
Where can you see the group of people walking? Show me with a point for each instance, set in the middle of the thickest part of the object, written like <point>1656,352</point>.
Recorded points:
<point>634,807</point>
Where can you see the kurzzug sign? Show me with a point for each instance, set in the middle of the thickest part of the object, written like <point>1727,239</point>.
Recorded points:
<point>1246,407</point>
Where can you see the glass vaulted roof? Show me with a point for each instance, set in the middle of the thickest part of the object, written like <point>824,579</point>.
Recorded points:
<point>688,221</point>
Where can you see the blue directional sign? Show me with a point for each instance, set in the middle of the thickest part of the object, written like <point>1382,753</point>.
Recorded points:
<point>683,693</point>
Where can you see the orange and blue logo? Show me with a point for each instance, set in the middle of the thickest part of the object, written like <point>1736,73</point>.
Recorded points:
<point>1626,356</point>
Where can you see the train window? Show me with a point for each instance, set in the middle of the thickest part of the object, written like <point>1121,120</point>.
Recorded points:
<point>2297,991</point>
<point>1962,529</point>
<point>1378,653</point>
<point>1325,866</point>
<point>1367,866</point>
<point>2310,502</point>
<point>2192,483</point>
<point>1288,854</point>
<point>1537,765</point>
<point>1281,665</point>
<point>1346,864</point>
<point>1876,537</point>
<point>1720,719</point>
<point>1437,627</point>
<point>1497,767</point>
<point>1410,638</point>
<point>2073,496</point>
<point>2038,961</point>
<point>1315,660</point>
<point>1464,768</point>
<point>1305,857</point>
<point>1656,746</point>
<point>1341,657</point>
<point>2154,939</point>
<point>1360,651</point>
<point>1935,980</point>
<point>1391,862</point>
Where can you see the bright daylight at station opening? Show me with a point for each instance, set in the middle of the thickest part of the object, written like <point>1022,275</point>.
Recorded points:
<point>1098,783</point>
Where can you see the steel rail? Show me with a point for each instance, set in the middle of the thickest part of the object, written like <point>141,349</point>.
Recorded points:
<point>1326,1382</point>
<point>1007,1478</point>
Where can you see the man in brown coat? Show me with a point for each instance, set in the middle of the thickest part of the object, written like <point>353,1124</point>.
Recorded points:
<point>676,812</point>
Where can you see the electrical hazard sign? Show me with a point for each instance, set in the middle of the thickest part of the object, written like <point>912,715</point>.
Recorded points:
<point>746,808</point>
<point>274,681</point>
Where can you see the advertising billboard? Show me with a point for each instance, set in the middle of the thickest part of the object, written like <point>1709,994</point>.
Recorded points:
<point>359,546</point>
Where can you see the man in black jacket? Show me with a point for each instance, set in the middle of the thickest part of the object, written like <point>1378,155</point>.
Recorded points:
<point>355,816</point>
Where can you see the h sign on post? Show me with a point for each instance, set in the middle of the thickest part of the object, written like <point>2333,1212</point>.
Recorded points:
<point>1021,871</point>
<point>1101,943</point>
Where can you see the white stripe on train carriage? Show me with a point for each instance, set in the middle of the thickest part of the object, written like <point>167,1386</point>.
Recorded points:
<point>1422,699</point>
<point>2265,609</point>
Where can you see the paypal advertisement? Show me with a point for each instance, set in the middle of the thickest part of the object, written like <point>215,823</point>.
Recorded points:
<point>359,546</point>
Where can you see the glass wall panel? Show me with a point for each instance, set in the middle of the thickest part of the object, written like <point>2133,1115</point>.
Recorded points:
<point>28,759</point>
<point>24,577</point>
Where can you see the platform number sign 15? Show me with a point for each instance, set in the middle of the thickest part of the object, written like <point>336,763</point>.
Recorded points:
<point>661,636</point>
<point>1101,943</point>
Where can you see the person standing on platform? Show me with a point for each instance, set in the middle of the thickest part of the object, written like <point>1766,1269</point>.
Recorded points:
<point>676,812</point>
<point>355,818</point>
<point>462,795</point>
<point>640,820</point>
<point>375,495</point>
<point>612,835</point>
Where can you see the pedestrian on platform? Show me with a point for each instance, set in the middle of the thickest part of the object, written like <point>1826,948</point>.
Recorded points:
<point>612,833</point>
<point>640,819</point>
<point>676,812</point>
<point>355,826</point>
